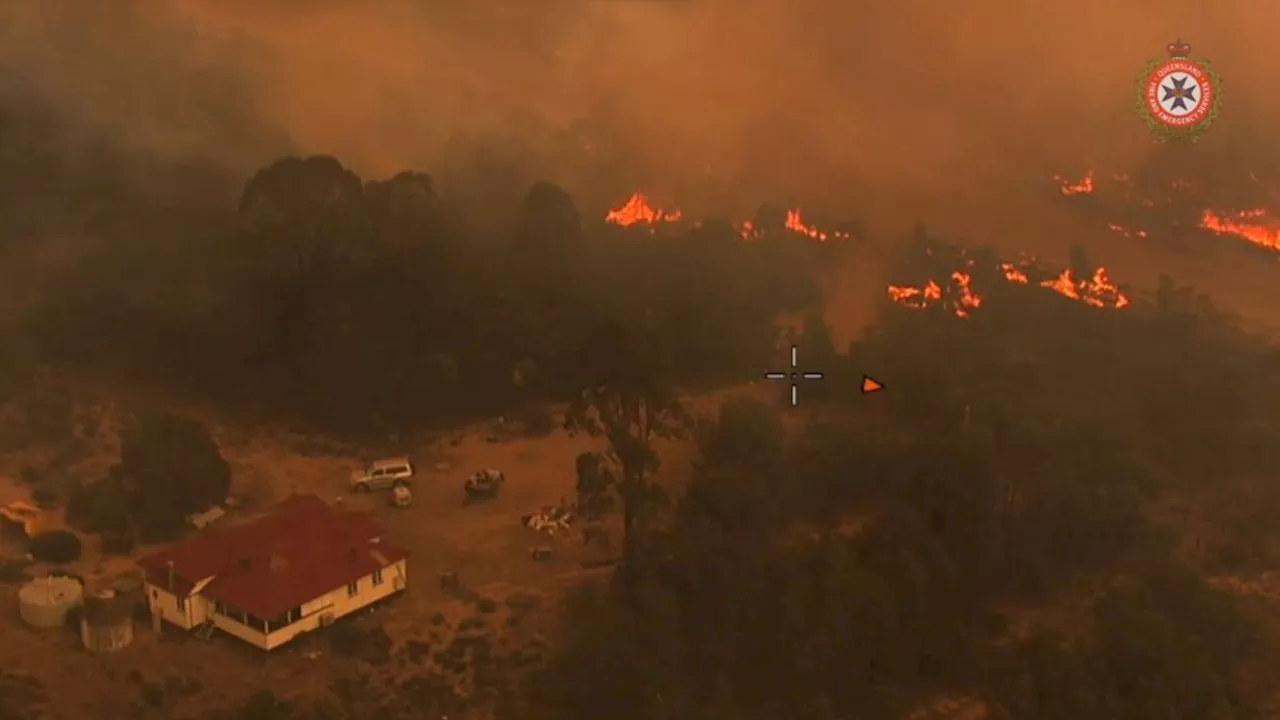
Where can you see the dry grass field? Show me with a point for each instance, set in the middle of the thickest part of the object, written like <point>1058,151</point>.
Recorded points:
<point>424,632</point>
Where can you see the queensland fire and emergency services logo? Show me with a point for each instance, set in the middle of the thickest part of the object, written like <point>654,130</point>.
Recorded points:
<point>1178,96</point>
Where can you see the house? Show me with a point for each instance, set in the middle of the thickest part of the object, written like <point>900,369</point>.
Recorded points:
<point>299,567</point>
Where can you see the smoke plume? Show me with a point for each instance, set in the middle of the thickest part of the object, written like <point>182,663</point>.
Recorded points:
<point>915,109</point>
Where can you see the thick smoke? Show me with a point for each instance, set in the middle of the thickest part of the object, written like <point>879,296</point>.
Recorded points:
<point>785,94</point>
<point>134,76</point>
<point>815,98</point>
<point>915,109</point>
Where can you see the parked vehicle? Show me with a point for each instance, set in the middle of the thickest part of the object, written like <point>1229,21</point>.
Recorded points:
<point>382,474</point>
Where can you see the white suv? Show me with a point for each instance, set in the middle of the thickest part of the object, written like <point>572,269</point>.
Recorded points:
<point>382,474</point>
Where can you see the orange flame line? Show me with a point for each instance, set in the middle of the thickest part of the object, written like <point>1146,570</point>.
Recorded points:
<point>637,210</point>
<point>1260,235</point>
<point>1084,187</point>
<point>1097,291</point>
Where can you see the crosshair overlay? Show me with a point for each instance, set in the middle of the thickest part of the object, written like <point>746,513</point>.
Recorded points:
<point>794,376</point>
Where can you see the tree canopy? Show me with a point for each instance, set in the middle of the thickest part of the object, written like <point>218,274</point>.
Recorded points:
<point>169,468</point>
<point>373,306</point>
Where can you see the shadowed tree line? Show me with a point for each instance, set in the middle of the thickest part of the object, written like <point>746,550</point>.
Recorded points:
<point>357,305</point>
<point>987,531</point>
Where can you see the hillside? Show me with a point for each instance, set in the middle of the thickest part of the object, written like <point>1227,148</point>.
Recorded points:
<point>1059,507</point>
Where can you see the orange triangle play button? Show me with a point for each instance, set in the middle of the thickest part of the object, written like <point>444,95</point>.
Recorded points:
<point>870,385</point>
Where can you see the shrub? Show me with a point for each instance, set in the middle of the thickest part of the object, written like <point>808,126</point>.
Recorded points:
<point>55,546</point>
<point>174,467</point>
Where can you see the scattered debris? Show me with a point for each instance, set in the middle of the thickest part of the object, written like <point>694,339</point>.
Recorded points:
<point>484,484</point>
<point>401,497</point>
<point>550,519</point>
<point>540,553</point>
<point>201,520</point>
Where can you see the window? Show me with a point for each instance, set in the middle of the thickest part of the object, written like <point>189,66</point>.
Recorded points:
<point>377,578</point>
<point>182,604</point>
<point>353,588</point>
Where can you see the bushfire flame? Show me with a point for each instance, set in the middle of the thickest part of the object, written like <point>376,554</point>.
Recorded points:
<point>1083,187</point>
<point>962,300</point>
<point>1251,225</point>
<point>795,224</point>
<point>637,210</point>
<point>916,297</point>
<point>966,299</point>
<point>1097,291</point>
<point>1255,226</point>
<point>1127,232</point>
<point>1013,274</point>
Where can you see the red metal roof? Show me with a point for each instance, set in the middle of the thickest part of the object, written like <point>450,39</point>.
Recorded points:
<point>300,550</point>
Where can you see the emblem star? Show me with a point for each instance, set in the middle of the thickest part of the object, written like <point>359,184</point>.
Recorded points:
<point>1179,93</point>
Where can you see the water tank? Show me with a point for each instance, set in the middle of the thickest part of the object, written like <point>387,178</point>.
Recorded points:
<point>129,587</point>
<point>106,625</point>
<point>45,602</point>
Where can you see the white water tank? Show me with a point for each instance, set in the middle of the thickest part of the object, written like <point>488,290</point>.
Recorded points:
<point>45,602</point>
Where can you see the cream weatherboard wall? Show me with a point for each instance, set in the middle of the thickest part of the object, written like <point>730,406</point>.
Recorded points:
<point>185,612</point>
<point>237,629</point>
<point>169,607</point>
<point>191,612</point>
<point>342,601</point>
